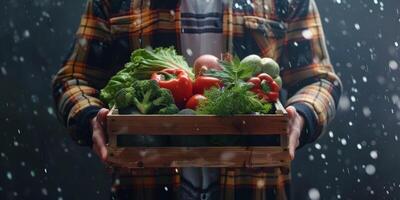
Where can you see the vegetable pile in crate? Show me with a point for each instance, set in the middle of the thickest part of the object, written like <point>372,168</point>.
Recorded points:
<point>227,114</point>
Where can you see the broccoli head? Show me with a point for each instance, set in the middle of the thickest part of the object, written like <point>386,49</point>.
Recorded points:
<point>124,97</point>
<point>169,110</point>
<point>116,83</point>
<point>164,98</point>
<point>149,98</point>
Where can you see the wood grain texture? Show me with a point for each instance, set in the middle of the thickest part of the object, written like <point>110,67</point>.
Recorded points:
<point>198,157</point>
<point>196,125</point>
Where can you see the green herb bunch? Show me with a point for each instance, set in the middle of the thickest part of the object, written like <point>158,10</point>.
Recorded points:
<point>235,97</point>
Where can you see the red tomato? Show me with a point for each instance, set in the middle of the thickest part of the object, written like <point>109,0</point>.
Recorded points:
<point>194,101</point>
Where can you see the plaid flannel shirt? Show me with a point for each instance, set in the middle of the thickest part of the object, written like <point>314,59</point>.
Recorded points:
<point>287,31</point>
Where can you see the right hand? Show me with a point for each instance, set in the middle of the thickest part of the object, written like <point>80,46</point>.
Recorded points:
<point>99,134</point>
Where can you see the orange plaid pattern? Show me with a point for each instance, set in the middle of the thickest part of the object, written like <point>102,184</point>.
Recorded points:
<point>287,31</point>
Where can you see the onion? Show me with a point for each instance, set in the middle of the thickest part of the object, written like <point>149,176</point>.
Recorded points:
<point>205,62</point>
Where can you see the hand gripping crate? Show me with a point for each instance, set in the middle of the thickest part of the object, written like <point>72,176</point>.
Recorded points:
<point>262,140</point>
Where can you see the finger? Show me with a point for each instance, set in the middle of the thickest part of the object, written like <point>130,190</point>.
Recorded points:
<point>294,135</point>
<point>100,150</point>
<point>292,130</point>
<point>99,142</point>
<point>293,142</point>
<point>102,116</point>
<point>291,121</point>
<point>291,111</point>
<point>103,153</point>
<point>292,145</point>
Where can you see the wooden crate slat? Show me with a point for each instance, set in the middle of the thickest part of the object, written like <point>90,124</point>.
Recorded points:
<point>197,125</point>
<point>198,157</point>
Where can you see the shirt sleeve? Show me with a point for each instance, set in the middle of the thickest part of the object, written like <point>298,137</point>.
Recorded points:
<point>85,70</point>
<point>313,87</point>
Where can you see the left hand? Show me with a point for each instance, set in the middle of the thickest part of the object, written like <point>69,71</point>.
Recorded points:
<point>294,129</point>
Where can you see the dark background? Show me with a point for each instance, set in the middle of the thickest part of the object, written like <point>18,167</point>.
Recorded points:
<point>357,158</point>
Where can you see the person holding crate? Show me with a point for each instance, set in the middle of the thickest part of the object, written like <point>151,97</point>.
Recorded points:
<point>290,32</point>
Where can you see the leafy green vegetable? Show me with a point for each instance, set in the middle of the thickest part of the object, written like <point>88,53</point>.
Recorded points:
<point>119,81</point>
<point>234,100</point>
<point>169,110</point>
<point>124,97</point>
<point>235,97</point>
<point>149,98</point>
<point>232,72</point>
<point>252,61</point>
<point>145,62</point>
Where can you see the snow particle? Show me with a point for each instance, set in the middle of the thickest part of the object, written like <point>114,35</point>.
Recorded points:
<point>364,79</point>
<point>357,26</point>
<point>343,141</point>
<point>50,110</point>
<point>9,176</point>
<point>344,103</point>
<point>34,98</point>
<point>44,191</point>
<point>350,123</point>
<point>370,169</point>
<point>189,52</point>
<point>330,134</point>
<point>317,146</point>
<point>45,14</point>
<point>374,154</point>
<point>307,34</point>
<point>260,183</point>
<point>366,112</point>
<point>27,34</point>
<point>313,194</point>
<point>393,65</point>
<point>3,71</point>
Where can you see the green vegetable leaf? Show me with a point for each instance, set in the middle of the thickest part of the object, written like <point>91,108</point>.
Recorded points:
<point>145,62</point>
<point>234,100</point>
<point>232,72</point>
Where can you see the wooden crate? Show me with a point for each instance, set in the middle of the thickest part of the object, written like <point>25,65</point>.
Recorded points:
<point>269,126</point>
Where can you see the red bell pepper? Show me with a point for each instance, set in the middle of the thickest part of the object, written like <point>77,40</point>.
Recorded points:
<point>178,82</point>
<point>265,87</point>
<point>203,83</point>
